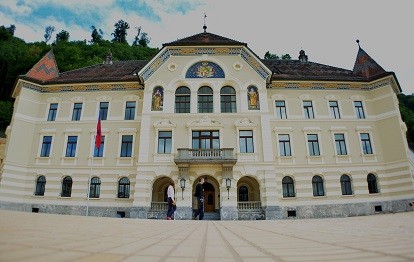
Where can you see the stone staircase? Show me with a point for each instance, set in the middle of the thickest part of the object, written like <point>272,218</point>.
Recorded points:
<point>212,216</point>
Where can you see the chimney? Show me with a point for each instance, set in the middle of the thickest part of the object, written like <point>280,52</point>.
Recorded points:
<point>302,57</point>
<point>108,60</point>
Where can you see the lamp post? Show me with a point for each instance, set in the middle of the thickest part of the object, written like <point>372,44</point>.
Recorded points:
<point>228,185</point>
<point>182,184</point>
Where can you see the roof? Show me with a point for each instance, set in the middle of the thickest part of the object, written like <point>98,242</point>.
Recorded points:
<point>204,38</point>
<point>45,69</point>
<point>298,70</point>
<point>365,66</point>
<point>115,72</point>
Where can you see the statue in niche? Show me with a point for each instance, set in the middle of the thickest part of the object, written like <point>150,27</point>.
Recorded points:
<point>253,98</point>
<point>157,99</point>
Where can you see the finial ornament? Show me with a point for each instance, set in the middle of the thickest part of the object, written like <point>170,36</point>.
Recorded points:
<point>205,27</point>
<point>358,43</point>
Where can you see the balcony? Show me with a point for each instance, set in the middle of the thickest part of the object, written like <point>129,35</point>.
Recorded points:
<point>205,156</point>
<point>252,205</point>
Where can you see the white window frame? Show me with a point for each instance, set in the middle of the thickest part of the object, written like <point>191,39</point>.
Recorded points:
<point>367,157</point>
<point>285,160</point>
<point>318,159</point>
<point>341,130</point>
<point>126,161</point>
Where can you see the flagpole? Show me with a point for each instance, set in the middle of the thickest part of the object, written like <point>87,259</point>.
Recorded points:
<point>89,181</point>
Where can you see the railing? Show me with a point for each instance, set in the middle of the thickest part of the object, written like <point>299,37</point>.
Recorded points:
<point>159,206</point>
<point>250,205</point>
<point>205,155</point>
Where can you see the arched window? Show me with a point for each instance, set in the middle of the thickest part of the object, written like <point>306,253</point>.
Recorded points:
<point>346,185</point>
<point>288,187</point>
<point>40,186</point>
<point>372,184</point>
<point>95,188</point>
<point>205,100</point>
<point>228,100</point>
<point>182,100</point>
<point>317,185</point>
<point>66,187</point>
<point>243,194</point>
<point>123,188</point>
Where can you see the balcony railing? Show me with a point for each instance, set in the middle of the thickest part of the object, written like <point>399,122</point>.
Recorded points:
<point>250,205</point>
<point>159,206</point>
<point>223,155</point>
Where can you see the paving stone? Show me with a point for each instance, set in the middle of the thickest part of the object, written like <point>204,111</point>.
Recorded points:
<point>45,237</point>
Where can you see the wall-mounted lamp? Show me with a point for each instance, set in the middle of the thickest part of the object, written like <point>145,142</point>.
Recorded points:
<point>182,184</point>
<point>228,185</point>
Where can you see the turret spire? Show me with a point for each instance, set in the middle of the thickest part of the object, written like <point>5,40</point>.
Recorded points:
<point>204,26</point>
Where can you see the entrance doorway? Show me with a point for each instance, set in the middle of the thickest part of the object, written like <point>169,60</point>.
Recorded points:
<point>209,197</point>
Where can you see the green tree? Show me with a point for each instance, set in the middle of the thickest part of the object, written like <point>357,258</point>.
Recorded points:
<point>286,57</point>
<point>48,33</point>
<point>7,32</point>
<point>120,32</point>
<point>6,112</point>
<point>141,38</point>
<point>97,35</point>
<point>62,36</point>
<point>268,55</point>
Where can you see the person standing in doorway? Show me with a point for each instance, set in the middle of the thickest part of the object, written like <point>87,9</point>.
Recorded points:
<point>171,201</point>
<point>200,200</point>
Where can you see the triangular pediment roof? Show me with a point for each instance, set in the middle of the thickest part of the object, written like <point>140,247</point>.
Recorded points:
<point>204,38</point>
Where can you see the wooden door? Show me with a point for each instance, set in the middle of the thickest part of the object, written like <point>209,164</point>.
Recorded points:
<point>209,201</point>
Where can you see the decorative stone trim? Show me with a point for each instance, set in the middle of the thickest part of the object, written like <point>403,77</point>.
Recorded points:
<point>83,87</point>
<point>325,85</point>
<point>205,121</point>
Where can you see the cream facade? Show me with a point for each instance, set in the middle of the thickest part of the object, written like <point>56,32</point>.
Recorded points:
<point>269,146</point>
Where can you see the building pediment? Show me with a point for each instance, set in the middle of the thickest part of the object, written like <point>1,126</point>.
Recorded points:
<point>201,51</point>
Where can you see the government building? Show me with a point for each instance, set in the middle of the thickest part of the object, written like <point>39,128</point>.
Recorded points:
<point>274,139</point>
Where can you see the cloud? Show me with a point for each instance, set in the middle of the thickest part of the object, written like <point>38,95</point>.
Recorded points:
<point>15,7</point>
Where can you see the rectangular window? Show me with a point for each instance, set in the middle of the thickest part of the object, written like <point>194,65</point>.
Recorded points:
<point>308,110</point>
<point>246,141</point>
<point>340,144</point>
<point>359,110</point>
<point>280,109</point>
<point>313,145</point>
<point>126,146</point>
<point>98,152</point>
<point>71,146</point>
<point>333,105</point>
<point>164,142</point>
<point>284,145</point>
<point>52,112</point>
<point>366,143</point>
<point>206,140</point>
<point>103,110</point>
<point>47,143</point>
<point>77,110</point>
<point>130,110</point>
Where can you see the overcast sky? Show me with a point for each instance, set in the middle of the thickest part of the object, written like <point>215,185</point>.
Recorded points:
<point>325,29</point>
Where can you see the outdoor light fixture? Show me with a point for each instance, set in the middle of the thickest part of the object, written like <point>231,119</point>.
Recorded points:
<point>182,184</point>
<point>228,185</point>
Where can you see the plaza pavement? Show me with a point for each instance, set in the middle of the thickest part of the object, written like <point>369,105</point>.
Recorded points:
<point>46,237</point>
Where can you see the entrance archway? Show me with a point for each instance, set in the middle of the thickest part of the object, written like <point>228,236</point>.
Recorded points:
<point>211,194</point>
